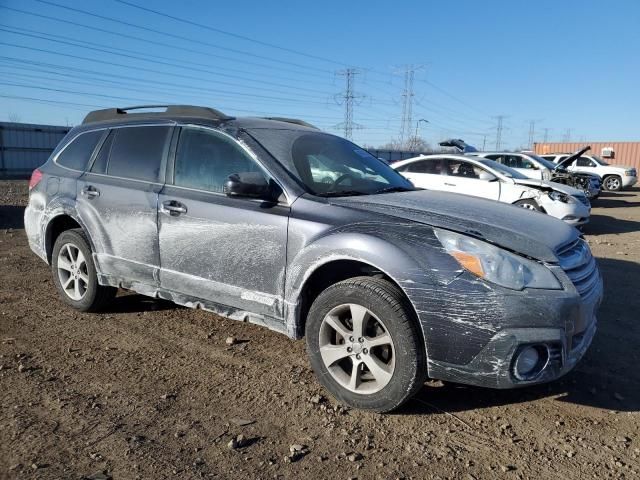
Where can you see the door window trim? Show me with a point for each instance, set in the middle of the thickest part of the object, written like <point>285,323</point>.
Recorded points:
<point>173,150</point>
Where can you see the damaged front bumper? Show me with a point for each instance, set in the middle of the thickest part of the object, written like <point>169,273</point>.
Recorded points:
<point>560,323</point>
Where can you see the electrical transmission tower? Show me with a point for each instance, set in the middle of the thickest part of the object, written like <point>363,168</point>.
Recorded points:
<point>567,135</point>
<point>532,131</point>
<point>347,99</point>
<point>406,125</point>
<point>546,135</point>
<point>499,128</point>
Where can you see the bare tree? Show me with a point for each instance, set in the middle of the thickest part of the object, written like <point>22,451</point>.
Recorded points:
<point>14,117</point>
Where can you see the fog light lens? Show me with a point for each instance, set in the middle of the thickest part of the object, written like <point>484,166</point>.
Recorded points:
<point>530,361</point>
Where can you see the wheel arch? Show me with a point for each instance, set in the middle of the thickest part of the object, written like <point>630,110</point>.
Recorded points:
<point>336,267</point>
<point>58,224</point>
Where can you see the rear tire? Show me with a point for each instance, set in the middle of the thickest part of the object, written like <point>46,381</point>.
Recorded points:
<point>612,183</point>
<point>528,204</point>
<point>74,273</point>
<point>377,366</point>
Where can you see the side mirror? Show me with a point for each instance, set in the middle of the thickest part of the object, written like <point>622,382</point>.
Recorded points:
<point>249,185</point>
<point>487,177</point>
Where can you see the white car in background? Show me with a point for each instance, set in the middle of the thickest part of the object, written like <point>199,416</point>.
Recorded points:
<point>614,177</point>
<point>481,177</point>
<point>528,164</point>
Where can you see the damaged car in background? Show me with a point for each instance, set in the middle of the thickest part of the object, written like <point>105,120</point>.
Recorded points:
<point>277,223</point>
<point>536,167</point>
<point>481,177</point>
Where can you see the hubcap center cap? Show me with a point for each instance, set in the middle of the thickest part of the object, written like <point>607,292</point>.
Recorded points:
<point>356,348</point>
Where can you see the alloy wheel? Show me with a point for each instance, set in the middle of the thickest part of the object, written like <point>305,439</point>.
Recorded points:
<point>72,271</point>
<point>612,183</point>
<point>357,349</point>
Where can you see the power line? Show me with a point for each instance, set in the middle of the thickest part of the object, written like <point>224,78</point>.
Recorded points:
<point>302,70</point>
<point>165,63</point>
<point>173,35</point>
<point>224,32</point>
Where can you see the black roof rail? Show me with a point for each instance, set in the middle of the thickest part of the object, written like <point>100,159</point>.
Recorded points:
<point>295,121</point>
<point>170,110</point>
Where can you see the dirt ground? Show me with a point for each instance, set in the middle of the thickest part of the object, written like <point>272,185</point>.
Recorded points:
<point>150,390</point>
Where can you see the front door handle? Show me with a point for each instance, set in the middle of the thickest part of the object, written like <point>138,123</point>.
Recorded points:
<point>450,184</point>
<point>90,192</point>
<point>174,208</point>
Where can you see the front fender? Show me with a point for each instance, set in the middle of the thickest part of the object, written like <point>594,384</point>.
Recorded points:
<point>409,254</point>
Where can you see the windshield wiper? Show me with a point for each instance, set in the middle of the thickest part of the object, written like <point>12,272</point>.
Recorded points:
<point>394,189</point>
<point>341,193</point>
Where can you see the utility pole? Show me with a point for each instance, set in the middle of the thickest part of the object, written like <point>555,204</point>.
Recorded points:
<point>415,137</point>
<point>546,135</point>
<point>347,99</point>
<point>407,105</point>
<point>499,128</point>
<point>567,135</point>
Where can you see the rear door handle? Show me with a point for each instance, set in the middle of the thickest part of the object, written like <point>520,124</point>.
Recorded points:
<point>174,208</point>
<point>450,184</point>
<point>90,192</point>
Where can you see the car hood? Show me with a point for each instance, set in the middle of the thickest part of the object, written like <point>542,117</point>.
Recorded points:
<point>532,234</point>
<point>543,185</point>
<point>569,160</point>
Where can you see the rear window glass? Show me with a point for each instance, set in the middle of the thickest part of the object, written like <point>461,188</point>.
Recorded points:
<point>78,152</point>
<point>137,152</point>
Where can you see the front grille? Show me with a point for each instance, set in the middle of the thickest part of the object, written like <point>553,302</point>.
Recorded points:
<point>580,266</point>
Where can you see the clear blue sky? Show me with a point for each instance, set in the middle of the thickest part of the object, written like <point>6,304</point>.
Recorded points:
<point>565,64</point>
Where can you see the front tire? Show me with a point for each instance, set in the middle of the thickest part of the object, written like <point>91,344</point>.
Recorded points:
<point>365,345</point>
<point>612,183</point>
<point>74,273</point>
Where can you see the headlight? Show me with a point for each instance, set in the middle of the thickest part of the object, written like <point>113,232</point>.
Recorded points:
<point>495,264</point>
<point>630,173</point>
<point>546,175</point>
<point>559,196</point>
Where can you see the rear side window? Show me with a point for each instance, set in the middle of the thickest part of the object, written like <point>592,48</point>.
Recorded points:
<point>584,162</point>
<point>205,159</point>
<point>76,155</point>
<point>137,152</point>
<point>423,166</point>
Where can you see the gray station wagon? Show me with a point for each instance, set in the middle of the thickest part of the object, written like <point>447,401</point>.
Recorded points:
<point>271,221</point>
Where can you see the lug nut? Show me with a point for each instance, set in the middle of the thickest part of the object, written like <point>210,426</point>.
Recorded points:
<point>358,356</point>
<point>361,340</point>
<point>349,349</point>
<point>365,351</point>
<point>351,339</point>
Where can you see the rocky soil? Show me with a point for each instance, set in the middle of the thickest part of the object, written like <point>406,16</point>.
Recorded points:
<point>150,390</point>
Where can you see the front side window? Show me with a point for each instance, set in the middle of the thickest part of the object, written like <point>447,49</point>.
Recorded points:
<point>76,155</point>
<point>137,152</point>
<point>460,168</point>
<point>205,159</point>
